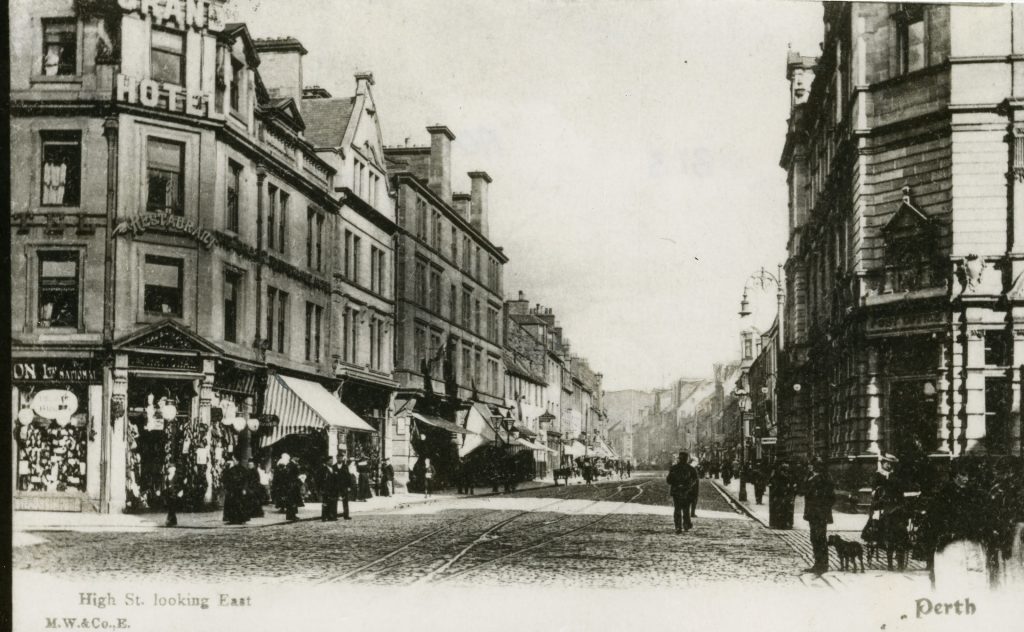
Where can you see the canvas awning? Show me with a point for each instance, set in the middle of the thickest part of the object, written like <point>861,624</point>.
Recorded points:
<point>302,405</point>
<point>534,446</point>
<point>575,449</point>
<point>437,422</point>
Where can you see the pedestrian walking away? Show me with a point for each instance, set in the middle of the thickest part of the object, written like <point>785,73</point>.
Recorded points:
<point>343,481</point>
<point>682,480</point>
<point>329,491</point>
<point>172,492</point>
<point>387,478</point>
<point>254,490</point>
<point>818,500</point>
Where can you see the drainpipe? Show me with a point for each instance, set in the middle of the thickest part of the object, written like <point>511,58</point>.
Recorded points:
<point>110,131</point>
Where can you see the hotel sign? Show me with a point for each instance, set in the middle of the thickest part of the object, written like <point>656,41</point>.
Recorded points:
<point>138,224</point>
<point>183,13</point>
<point>165,96</point>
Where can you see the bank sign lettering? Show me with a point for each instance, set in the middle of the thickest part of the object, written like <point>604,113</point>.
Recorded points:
<point>167,96</point>
<point>183,13</point>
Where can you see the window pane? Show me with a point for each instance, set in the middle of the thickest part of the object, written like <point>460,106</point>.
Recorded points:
<point>166,67</point>
<point>58,290</point>
<point>168,41</point>
<point>163,285</point>
<point>60,47</point>
<point>915,46</point>
<point>164,167</point>
<point>61,168</point>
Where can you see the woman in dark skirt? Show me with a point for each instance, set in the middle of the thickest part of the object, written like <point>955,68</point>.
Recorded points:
<point>363,468</point>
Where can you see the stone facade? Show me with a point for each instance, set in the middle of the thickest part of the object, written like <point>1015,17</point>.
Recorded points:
<point>901,276</point>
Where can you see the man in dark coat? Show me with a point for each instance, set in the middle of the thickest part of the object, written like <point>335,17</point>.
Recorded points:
<point>363,482</point>
<point>819,497</point>
<point>255,490</point>
<point>759,478</point>
<point>683,481</point>
<point>329,491</point>
<point>727,472</point>
<point>172,492</point>
<point>780,498</point>
<point>235,478</point>
<point>343,484</point>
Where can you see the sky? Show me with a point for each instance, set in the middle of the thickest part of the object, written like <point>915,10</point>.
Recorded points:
<point>634,147</point>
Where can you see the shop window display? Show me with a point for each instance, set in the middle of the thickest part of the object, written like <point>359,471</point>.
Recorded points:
<point>162,430</point>
<point>51,436</point>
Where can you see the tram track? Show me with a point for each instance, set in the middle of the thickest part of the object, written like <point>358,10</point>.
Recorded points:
<point>377,565</point>
<point>438,575</point>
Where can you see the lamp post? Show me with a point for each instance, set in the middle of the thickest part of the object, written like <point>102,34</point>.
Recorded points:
<point>764,279</point>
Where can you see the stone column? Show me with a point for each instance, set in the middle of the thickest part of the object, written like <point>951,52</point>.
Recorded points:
<point>874,403</point>
<point>958,389</point>
<point>973,419</point>
<point>205,400</point>
<point>1017,375</point>
<point>943,398</point>
<point>118,462</point>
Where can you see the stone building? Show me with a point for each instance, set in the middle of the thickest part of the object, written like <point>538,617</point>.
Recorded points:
<point>449,305</point>
<point>905,162</point>
<point>346,133</point>
<point>171,258</point>
<point>525,389</point>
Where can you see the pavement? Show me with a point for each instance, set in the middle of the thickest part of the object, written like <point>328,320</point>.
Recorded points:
<point>846,525</point>
<point>30,521</point>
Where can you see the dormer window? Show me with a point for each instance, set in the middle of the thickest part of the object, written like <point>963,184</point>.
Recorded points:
<point>911,257</point>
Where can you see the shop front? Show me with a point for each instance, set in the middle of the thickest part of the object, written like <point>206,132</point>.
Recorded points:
<point>311,424</point>
<point>56,421</point>
<point>162,391</point>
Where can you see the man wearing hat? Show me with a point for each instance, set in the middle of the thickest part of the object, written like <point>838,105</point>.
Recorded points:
<point>818,501</point>
<point>682,480</point>
<point>172,493</point>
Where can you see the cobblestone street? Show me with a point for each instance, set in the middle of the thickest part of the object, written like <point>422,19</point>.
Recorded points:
<point>614,534</point>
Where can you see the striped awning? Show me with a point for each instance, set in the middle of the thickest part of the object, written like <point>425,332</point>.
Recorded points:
<point>437,422</point>
<point>302,405</point>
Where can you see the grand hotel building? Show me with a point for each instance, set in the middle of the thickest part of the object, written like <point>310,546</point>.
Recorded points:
<point>197,270</point>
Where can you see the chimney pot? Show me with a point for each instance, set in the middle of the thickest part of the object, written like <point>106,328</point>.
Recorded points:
<point>522,295</point>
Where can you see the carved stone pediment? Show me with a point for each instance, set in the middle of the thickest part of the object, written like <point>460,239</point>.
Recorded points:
<point>168,335</point>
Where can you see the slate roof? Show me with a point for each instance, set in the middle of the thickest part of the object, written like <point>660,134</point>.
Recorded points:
<point>327,120</point>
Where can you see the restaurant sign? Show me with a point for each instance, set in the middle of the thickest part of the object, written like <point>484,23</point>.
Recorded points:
<point>166,96</point>
<point>138,224</point>
<point>181,13</point>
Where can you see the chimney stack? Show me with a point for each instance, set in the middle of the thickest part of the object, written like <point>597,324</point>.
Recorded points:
<point>363,82</point>
<point>281,67</point>
<point>461,202</point>
<point>439,176</point>
<point>478,205</point>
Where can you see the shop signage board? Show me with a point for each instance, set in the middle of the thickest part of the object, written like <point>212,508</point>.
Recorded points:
<point>66,371</point>
<point>902,323</point>
<point>769,440</point>
<point>139,224</point>
<point>181,14</point>
<point>55,404</point>
<point>165,362</point>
